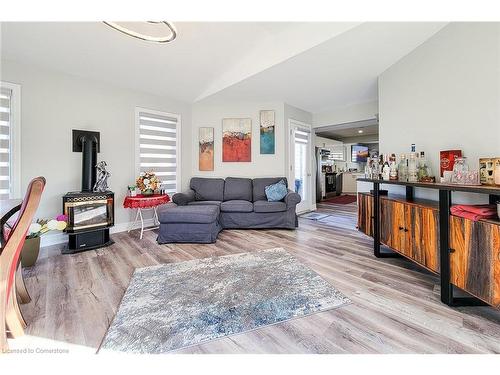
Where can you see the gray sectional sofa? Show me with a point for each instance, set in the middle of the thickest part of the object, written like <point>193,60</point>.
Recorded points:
<point>231,203</point>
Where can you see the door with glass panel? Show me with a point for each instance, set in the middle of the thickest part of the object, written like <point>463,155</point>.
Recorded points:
<point>300,175</point>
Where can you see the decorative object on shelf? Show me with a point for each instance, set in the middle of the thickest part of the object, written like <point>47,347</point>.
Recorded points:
<point>462,175</point>
<point>489,170</point>
<point>267,132</point>
<point>447,160</point>
<point>31,247</point>
<point>150,31</point>
<point>101,184</point>
<point>459,169</point>
<point>498,209</point>
<point>132,190</point>
<point>236,140</point>
<point>147,182</point>
<point>206,149</point>
<point>496,173</point>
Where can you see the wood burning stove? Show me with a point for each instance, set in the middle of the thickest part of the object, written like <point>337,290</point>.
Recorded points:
<point>90,214</point>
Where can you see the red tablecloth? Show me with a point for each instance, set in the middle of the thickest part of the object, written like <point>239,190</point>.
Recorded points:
<point>145,201</point>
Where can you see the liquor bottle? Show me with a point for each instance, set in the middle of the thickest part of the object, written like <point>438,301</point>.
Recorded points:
<point>386,169</point>
<point>403,169</point>
<point>393,174</point>
<point>421,168</point>
<point>412,168</point>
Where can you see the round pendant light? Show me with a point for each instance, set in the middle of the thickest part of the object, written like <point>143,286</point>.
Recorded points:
<point>150,31</point>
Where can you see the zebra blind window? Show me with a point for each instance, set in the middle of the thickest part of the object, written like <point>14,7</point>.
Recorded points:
<point>5,142</point>
<point>158,146</point>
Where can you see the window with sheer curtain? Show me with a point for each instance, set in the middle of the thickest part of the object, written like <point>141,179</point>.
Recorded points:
<point>158,146</point>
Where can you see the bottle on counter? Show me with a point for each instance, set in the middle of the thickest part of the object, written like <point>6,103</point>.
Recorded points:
<point>393,174</point>
<point>422,167</point>
<point>403,169</point>
<point>412,168</point>
<point>386,169</point>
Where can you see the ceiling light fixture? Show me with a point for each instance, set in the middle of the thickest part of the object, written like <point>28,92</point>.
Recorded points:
<point>360,131</point>
<point>150,31</point>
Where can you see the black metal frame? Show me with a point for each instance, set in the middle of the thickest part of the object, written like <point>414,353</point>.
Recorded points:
<point>445,195</point>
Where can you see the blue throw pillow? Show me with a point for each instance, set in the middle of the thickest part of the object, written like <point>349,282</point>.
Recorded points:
<point>276,192</point>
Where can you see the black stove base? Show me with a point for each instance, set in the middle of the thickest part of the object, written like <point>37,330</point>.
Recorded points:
<point>89,240</point>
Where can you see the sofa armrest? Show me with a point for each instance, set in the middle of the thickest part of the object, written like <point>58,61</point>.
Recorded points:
<point>182,199</point>
<point>292,198</point>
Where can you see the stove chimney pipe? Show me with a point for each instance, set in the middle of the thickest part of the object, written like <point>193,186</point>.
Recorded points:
<point>87,143</point>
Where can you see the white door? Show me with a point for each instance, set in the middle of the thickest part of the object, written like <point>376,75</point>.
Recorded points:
<point>300,168</point>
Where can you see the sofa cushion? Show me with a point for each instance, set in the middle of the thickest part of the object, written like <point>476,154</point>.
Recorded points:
<point>238,189</point>
<point>259,186</point>
<point>189,214</point>
<point>208,189</point>
<point>265,206</point>
<point>276,192</point>
<point>236,206</point>
<point>205,203</point>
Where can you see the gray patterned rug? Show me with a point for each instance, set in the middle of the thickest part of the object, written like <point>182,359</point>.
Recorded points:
<point>176,305</point>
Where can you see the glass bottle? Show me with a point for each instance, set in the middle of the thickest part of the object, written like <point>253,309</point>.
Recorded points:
<point>422,171</point>
<point>386,169</point>
<point>412,168</point>
<point>393,174</point>
<point>403,169</point>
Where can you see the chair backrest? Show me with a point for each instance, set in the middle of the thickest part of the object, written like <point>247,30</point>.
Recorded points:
<point>12,250</point>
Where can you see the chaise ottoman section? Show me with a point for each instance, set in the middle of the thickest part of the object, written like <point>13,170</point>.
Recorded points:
<point>189,224</point>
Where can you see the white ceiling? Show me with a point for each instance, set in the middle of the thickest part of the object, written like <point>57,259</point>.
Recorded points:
<point>314,66</point>
<point>204,58</point>
<point>339,72</point>
<point>369,127</point>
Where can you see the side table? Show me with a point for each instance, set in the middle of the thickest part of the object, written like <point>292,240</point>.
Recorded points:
<point>145,202</point>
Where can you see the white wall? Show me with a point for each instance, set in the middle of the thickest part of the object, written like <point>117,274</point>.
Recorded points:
<point>445,95</point>
<point>53,104</point>
<point>352,113</point>
<point>210,112</point>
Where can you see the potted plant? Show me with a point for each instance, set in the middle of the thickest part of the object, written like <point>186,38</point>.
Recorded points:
<point>147,182</point>
<point>31,247</point>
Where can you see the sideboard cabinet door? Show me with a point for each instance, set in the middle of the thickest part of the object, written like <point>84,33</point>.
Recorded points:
<point>365,214</point>
<point>475,258</point>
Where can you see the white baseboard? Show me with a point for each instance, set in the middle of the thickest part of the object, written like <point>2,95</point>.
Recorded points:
<point>60,237</point>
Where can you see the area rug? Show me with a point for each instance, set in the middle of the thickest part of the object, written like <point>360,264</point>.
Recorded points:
<point>314,216</point>
<point>341,199</point>
<point>177,305</point>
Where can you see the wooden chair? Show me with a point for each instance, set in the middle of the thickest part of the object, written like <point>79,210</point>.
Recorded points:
<point>10,314</point>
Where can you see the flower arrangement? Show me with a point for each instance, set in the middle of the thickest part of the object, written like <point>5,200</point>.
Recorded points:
<point>42,226</point>
<point>147,182</point>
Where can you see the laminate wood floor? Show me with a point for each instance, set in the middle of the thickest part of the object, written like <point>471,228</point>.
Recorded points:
<point>395,309</point>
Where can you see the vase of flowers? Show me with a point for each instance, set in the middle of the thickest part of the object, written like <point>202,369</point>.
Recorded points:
<point>31,247</point>
<point>147,182</point>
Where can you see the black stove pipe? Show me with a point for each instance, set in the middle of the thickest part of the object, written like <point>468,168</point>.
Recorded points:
<point>89,162</point>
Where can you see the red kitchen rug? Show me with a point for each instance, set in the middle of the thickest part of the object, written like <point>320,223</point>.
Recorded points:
<point>341,199</point>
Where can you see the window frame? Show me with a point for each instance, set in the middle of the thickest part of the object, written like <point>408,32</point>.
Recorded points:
<point>137,160</point>
<point>15,139</point>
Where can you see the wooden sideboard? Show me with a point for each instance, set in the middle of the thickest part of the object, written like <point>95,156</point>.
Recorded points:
<point>412,228</point>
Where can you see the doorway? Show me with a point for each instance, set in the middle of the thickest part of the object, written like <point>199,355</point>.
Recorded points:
<point>300,167</point>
